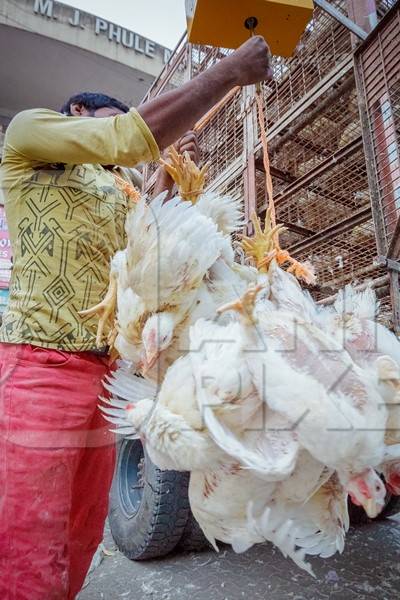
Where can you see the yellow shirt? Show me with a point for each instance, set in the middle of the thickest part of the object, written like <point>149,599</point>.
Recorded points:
<point>66,219</point>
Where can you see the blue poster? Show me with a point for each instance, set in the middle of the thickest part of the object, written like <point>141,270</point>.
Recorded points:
<point>3,299</point>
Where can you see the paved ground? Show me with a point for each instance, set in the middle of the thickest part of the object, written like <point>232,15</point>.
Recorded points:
<point>368,568</point>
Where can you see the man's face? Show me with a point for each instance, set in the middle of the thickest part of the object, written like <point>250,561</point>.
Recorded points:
<point>78,110</point>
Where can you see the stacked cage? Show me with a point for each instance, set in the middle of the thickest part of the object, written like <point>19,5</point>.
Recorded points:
<point>316,144</point>
<point>316,153</point>
<point>377,65</point>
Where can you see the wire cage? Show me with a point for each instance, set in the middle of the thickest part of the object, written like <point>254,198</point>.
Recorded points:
<point>222,137</point>
<point>377,66</point>
<point>317,143</point>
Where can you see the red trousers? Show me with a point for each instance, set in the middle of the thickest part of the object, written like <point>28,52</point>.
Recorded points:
<point>56,465</point>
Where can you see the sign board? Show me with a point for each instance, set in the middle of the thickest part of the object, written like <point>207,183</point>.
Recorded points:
<point>78,19</point>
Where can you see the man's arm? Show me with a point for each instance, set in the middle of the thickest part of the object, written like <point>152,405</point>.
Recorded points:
<point>45,136</point>
<point>171,114</point>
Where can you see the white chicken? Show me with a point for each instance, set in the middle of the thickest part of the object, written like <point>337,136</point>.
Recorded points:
<point>277,420</point>
<point>220,501</point>
<point>229,400</point>
<point>165,333</point>
<point>170,248</point>
<point>176,425</point>
<point>166,418</point>
<point>353,323</point>
<point>334,405</point>
<point>317,527</point>
<point>164,341</point>
<point>155,304</point>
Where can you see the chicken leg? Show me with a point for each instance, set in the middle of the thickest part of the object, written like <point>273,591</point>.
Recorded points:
<point>262,246</point>
<point>105,309</point>
<point>245,304</point>
<point>189,178</point>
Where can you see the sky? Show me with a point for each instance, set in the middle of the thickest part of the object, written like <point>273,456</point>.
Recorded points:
<point>162,21</point>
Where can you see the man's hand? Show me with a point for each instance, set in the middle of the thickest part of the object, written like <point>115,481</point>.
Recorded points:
<point>172,113</point>
<point>189,143</point>
<point>251,62</point>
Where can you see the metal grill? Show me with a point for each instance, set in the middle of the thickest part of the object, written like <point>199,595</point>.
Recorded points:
<point>384,5</point>
<point>322,185</point>
<point>332,128</point>
<point>341,255</point>
<point>379,64</point>
<point>174,74</point>
<point>317,161</point>
<point>234,187</point>
<point>324,46</point>
<point>333,194</point>
<point>204,57</point>
<point>222,137</point>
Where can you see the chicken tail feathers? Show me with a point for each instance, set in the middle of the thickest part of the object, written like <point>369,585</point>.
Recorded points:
<point>126,390</point>
<point>128,386</point>
<point>281,533</point>
<point>362,304</point>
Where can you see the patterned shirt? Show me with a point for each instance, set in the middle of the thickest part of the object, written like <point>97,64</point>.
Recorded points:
<point>66,217</point>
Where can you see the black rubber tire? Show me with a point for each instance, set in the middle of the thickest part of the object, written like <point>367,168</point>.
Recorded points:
<point>193,539</point>
<point>359,517</point>
<point>146,521</point>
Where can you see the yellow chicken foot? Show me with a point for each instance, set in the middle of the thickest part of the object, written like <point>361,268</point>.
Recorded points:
<point>189,178</point>
<point>112,336</point>
<point>262,246</point>
<point>245,304</point>
<point>105,309</point>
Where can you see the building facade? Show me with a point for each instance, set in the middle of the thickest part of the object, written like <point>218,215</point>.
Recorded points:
<point>50,51</point>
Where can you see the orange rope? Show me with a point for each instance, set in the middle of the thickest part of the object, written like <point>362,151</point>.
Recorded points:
<point>264,141</point>
<point>304,270</point>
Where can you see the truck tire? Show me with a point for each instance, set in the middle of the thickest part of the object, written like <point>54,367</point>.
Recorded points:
<point>193,539</point>
<point>149,508</point>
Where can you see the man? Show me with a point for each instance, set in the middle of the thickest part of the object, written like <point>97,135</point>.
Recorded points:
<point>66,216</point>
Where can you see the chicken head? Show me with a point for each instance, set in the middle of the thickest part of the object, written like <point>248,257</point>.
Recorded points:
<point>367,490</point>
<point>157,336</point>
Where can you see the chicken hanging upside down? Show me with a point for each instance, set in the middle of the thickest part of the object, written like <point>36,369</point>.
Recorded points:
<point>246,383</point>
<point>190,180</point>
<point>157,319</point>
<point>198,423</point>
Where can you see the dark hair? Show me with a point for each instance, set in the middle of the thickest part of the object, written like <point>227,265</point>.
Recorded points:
<point>92,101</point>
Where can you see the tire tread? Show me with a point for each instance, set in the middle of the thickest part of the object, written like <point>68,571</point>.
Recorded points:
<point>167,511</point>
